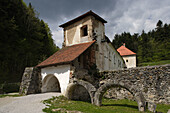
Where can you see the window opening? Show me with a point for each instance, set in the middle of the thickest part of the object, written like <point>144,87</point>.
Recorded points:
<point>84,31</point>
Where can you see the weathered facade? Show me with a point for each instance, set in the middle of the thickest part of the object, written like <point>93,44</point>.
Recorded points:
<point>91,27</point>
<point>86,49</point>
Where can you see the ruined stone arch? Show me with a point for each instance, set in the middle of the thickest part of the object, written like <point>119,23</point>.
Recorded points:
<point>50,84</point>
<point>80,90</point>
<point>109,84</point>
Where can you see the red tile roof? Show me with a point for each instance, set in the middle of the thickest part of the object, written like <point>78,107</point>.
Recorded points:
<point>125,51</point>
<point>83,16</point>
<point>66,54</point>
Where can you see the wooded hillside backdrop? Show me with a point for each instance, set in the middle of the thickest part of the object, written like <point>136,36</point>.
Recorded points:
<point>25,40</point>
<point>150,47</point>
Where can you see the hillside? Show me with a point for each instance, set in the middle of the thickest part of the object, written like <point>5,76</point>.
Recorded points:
<point>150,47</point>
<point>25,39</point>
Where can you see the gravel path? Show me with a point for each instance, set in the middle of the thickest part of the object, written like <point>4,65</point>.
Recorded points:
<point>25,104</point>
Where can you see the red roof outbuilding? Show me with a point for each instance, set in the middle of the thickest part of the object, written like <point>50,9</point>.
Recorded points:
<point>125,51</point>
<point>66,55</point>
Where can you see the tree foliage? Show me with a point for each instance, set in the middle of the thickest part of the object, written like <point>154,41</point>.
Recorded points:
<point>151,46</point>
<point>25,39</point>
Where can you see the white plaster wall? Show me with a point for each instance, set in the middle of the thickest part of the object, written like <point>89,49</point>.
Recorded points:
<point>61,72</point>
<point>131,61</point>
<point>76,38</point>
<point>76,30</point>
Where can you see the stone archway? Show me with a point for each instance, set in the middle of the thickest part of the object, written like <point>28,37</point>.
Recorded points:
<point>109,84</point>
<point>80,90</point>
<point>50,84</point>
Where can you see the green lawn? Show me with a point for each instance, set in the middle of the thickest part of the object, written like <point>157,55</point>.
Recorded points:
<point>109,106</point>
<point>155,63</point>
<point>9,95</point>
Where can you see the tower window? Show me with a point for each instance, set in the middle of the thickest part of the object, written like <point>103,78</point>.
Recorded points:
<point>84,31</point>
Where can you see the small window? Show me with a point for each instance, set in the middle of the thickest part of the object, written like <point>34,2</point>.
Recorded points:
<point>97,47</point>
<point>126,60</point>
<point>84,31</point>
<point>79,59</point>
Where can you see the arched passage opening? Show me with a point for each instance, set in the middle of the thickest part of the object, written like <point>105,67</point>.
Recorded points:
<point>78,92</point>
<point>137,95</point>
<point>50,84</point>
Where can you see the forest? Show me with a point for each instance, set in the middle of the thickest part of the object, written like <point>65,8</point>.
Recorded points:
<point>149,47</point>
<point>25,39</point>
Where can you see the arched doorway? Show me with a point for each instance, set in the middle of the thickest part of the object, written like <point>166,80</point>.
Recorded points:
<point>50,84</point>
<point>78,92</point>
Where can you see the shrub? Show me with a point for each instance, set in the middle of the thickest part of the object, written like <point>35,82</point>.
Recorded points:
<point>10,87</point>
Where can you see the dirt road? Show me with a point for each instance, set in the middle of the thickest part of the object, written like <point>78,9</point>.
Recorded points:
<point>25,104</point>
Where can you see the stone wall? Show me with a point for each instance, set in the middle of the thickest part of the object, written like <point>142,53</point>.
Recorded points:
<point>118,93</point>
<point>31,81</point>
<point>153,82</point>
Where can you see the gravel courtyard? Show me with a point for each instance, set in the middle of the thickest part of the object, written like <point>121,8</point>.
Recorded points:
<point>25,104</point>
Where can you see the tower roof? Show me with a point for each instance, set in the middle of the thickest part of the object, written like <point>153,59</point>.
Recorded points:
<point>125,51</point>
<point>83,16</point>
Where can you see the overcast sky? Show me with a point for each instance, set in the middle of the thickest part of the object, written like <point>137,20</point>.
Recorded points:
<point>122,15</point>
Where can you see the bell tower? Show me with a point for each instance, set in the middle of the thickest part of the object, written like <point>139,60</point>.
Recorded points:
<point>85,28</point>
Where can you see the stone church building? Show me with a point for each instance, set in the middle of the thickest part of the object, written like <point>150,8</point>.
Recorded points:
<point>85,48</point>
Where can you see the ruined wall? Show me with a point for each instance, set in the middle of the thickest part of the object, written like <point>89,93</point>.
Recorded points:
<point>31,81</point>
<point>118,93</point>
<point>84,67</point>
<point>153,81</point>
<point>107,58</point>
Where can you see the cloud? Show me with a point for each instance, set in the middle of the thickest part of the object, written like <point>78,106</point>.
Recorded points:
<point>136,16</point>
<point>122,15</point>
<point>58,37</point>
<point>56,9</point>
<point>57,33</point>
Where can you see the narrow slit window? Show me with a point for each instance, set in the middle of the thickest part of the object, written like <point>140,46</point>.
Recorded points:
<point>84,31</point>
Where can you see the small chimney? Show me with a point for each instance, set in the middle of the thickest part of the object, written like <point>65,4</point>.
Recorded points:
<point>123,44</point>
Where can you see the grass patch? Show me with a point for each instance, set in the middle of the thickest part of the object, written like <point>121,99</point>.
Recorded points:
<point>109,106</point>
<point>163,62</point>
<point>6,95</point>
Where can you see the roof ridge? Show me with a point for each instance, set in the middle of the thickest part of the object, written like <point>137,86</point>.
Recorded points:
<point>82,16</point>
